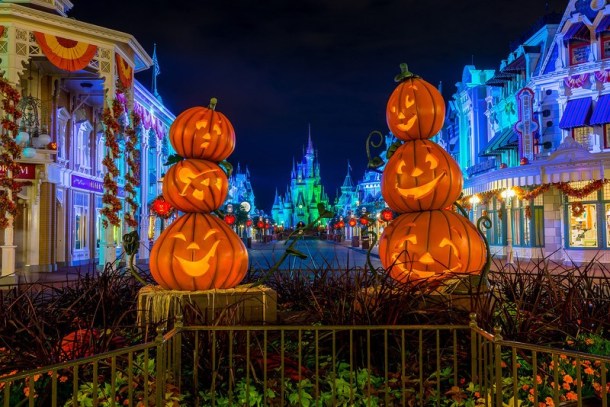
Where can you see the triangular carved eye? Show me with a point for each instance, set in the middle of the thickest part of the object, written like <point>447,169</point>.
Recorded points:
<point>447,242</point>
<point>179,235</point>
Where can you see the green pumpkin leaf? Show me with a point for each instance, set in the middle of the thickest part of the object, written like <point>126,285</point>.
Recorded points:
<point>375,162</point>
<point>392,149</point>
<point>173,159</point>
<point>226,167</point>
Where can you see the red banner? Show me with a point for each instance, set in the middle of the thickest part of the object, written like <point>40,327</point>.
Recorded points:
<point>26,171</point>
<point>125,71</point>
<point>64,53</point>
<point>1,30</point>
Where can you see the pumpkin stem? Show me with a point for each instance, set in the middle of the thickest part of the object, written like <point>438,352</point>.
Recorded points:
<point>213,103</point>
<point>404,74</point>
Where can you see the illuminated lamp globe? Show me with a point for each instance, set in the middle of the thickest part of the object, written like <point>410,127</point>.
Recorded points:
<point>28,152</point>
<point>22,138</point>
<point>41,141</point>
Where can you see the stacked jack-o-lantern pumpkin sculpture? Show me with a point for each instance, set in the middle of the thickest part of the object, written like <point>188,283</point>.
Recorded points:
<point>198,251</point>
<point>419,181</point>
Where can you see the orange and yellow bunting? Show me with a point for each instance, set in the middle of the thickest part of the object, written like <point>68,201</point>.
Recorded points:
<point>66,54</point>
<point>1,30</point>
<point>125,71</point>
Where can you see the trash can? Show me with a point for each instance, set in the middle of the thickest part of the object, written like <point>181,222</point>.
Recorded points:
<point>355,241</point>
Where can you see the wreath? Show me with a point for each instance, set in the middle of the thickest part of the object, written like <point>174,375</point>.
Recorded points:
<point>161,208</point>
<point>577,209</point>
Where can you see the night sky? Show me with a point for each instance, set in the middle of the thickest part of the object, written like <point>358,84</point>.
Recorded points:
<point>277,66</point>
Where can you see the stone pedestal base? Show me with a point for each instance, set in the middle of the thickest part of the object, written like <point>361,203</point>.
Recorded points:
<point>239,305</point>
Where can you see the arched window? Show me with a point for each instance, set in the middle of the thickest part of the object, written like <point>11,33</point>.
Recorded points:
<point>82,153</point>
<point>62,122</point>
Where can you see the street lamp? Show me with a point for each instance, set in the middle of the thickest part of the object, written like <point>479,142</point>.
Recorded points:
<point>474,201</point>
<point>508,195</point>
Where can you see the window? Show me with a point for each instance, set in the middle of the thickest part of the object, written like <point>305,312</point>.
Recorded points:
<point>495,235</point>
<point>528,223</point>
<point>605,45</point>
<point>579,52</point>
<point>582,227</point>
<point>607,135</point>
<point>581,135</point>
<point>62,122</point>
<point>99,154</point>
<point>82,155</point>
<point>81,219</point>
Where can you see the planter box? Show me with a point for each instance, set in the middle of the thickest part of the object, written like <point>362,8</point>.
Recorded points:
<point>244,303</point>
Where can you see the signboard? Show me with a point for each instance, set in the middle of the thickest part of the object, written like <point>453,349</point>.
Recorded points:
<point>92,185</point>
<point>526,126</point>
<point>26,171</point>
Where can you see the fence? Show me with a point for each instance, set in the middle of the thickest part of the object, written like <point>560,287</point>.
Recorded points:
<point>316,365</point>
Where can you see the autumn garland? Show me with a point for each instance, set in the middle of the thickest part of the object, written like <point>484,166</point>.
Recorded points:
<point>525,195</point>
<point>10,152</point>
<point>132,178</point>
<point>111,189</point>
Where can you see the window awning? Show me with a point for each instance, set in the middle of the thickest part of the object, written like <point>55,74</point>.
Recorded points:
<point>504,140</point>
<point>516,66</point>
<point>603,25</point>
<point>601,113</point>
<point>577,113</point>
<point>578,31</point>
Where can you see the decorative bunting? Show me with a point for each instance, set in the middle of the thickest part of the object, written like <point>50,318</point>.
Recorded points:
<point>576,81</point>
<point>603,76</point>
<point>1,30</point>
<point>125,71</point>
<point>66,54</point>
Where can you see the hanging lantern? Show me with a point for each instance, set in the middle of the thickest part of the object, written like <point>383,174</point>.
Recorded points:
<point>161,207</point>
<point>260,224</point>
<point>230,219</point>
<point>352,222</point>
<point>249,222</point>
<point>387,215</point>
<point>364,221</point>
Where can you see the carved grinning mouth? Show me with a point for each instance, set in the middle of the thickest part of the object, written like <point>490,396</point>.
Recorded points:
<point>420,191</point>
<point>197,268</point>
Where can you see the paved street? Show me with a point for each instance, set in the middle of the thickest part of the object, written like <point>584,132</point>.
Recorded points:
<point>320,254</point>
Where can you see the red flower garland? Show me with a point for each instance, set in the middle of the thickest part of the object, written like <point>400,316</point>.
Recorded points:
<point>111,189</point>
<point>132,178</point>
<point>11,152</point>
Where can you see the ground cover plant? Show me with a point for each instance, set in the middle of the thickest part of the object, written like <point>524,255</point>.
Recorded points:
<point>539,302</point>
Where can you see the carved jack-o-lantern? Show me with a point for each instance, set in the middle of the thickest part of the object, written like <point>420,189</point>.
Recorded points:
<point>431,245</point>
<point>195,186</point>
<point>416,109</point>
<point>198,252</point>
<point>421,176</point>
<point>203,133</point>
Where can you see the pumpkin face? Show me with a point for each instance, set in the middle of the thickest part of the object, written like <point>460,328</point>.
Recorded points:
<point>202,133</point>
<point>431,245</point>
<point>421,176</point>
<point>195,186</point>
<point>198,252</point>
<point>415,110</point>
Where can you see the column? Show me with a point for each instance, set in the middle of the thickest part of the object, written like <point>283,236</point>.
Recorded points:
<point>47,235</point>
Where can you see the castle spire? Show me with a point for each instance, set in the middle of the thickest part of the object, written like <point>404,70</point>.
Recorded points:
<point>276,201</point>
<point>310,149</point>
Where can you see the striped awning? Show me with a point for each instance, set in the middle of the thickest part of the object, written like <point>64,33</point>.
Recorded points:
<point>601,113</point>
<point>506,139</point>
<point>603,25</point>
<point>577,113</point>
<point>578,31</point>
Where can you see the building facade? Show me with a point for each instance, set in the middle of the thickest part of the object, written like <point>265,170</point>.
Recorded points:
<point>67,72</point>
<point>541,168</point>
<point>299,205</point>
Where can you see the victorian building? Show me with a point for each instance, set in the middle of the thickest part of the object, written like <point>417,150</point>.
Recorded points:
<point>67,72</point>
<point>300,202</point>
<point>533,139</point>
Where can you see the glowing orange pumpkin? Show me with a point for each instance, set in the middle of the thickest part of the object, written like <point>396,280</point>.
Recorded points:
<point>416,109</point>
<point>431,245</point>
<point>203,133</point>
<point>195,186</point>
<point>198,252</point>
<point>420,176</point>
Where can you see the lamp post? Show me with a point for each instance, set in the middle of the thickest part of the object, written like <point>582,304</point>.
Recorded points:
<point>508,195</point>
